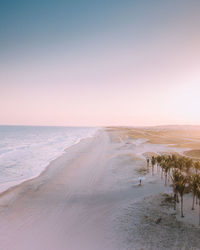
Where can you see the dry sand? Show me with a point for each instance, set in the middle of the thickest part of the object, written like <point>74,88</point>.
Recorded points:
<point>89,199</point>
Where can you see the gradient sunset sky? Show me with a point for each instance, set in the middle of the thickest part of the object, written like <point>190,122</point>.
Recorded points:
<point>99,62</point>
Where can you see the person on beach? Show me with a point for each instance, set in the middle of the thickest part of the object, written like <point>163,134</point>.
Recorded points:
<point>140,180</point>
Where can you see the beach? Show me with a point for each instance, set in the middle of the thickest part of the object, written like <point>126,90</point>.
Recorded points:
<point>89,199</point>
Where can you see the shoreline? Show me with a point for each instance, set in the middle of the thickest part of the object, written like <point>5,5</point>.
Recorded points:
<point>9,190</point>
<point>89,198</point>
<point>16,181</point>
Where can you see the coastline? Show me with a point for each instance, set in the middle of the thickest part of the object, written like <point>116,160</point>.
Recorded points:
<point>89,198</point>
<point>19,183</point>
<point>11,194</point>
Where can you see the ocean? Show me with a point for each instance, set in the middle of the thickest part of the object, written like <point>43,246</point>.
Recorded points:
<point>25,151</point>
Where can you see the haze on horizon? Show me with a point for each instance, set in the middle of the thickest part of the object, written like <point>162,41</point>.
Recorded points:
<point>98,63</point>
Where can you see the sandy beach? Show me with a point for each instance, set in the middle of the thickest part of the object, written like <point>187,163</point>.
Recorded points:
<point>100,125</point>
<point>89,199</point>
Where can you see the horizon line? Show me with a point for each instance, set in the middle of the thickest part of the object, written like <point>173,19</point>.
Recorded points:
<point>104,126</point>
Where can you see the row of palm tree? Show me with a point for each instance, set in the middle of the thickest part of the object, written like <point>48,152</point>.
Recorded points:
<point>183,175</point>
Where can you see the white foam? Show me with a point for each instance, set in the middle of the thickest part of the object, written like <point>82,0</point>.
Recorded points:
<point>26,151</point>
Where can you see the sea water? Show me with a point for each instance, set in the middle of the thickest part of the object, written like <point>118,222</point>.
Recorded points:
<point>25,151</point>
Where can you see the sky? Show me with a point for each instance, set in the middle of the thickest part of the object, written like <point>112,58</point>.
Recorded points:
<point>99,62</point>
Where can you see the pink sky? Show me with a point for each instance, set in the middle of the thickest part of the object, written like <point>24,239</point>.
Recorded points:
<point>107,82</point>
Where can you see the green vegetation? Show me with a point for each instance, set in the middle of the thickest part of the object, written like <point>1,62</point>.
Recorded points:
<point>183,175</point>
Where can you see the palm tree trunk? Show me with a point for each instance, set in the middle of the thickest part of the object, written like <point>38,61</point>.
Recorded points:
<point>165,179</point>
<point>182,206</point>
<point>193,200</point>
<point>199,212</point>
<point>177,198</point>
<point>175,201</point>
<point>168,177</point>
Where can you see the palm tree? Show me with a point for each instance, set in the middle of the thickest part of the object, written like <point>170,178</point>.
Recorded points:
<point>181,185</point>
<point>159,160</point>
<point>180,163</point>
<point>170,163</point>
<point>166,167</point>
<point>188,165</point>
<point>153,162</point>
<point>175,179</point>
<point>197,170</point>
<point>198,195</point>
<point>162,163</point>
<point>194,182</point>
<point>174,158</point>
<point>197,166</point>
<point>148,164</point>
<point>183,176</point>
